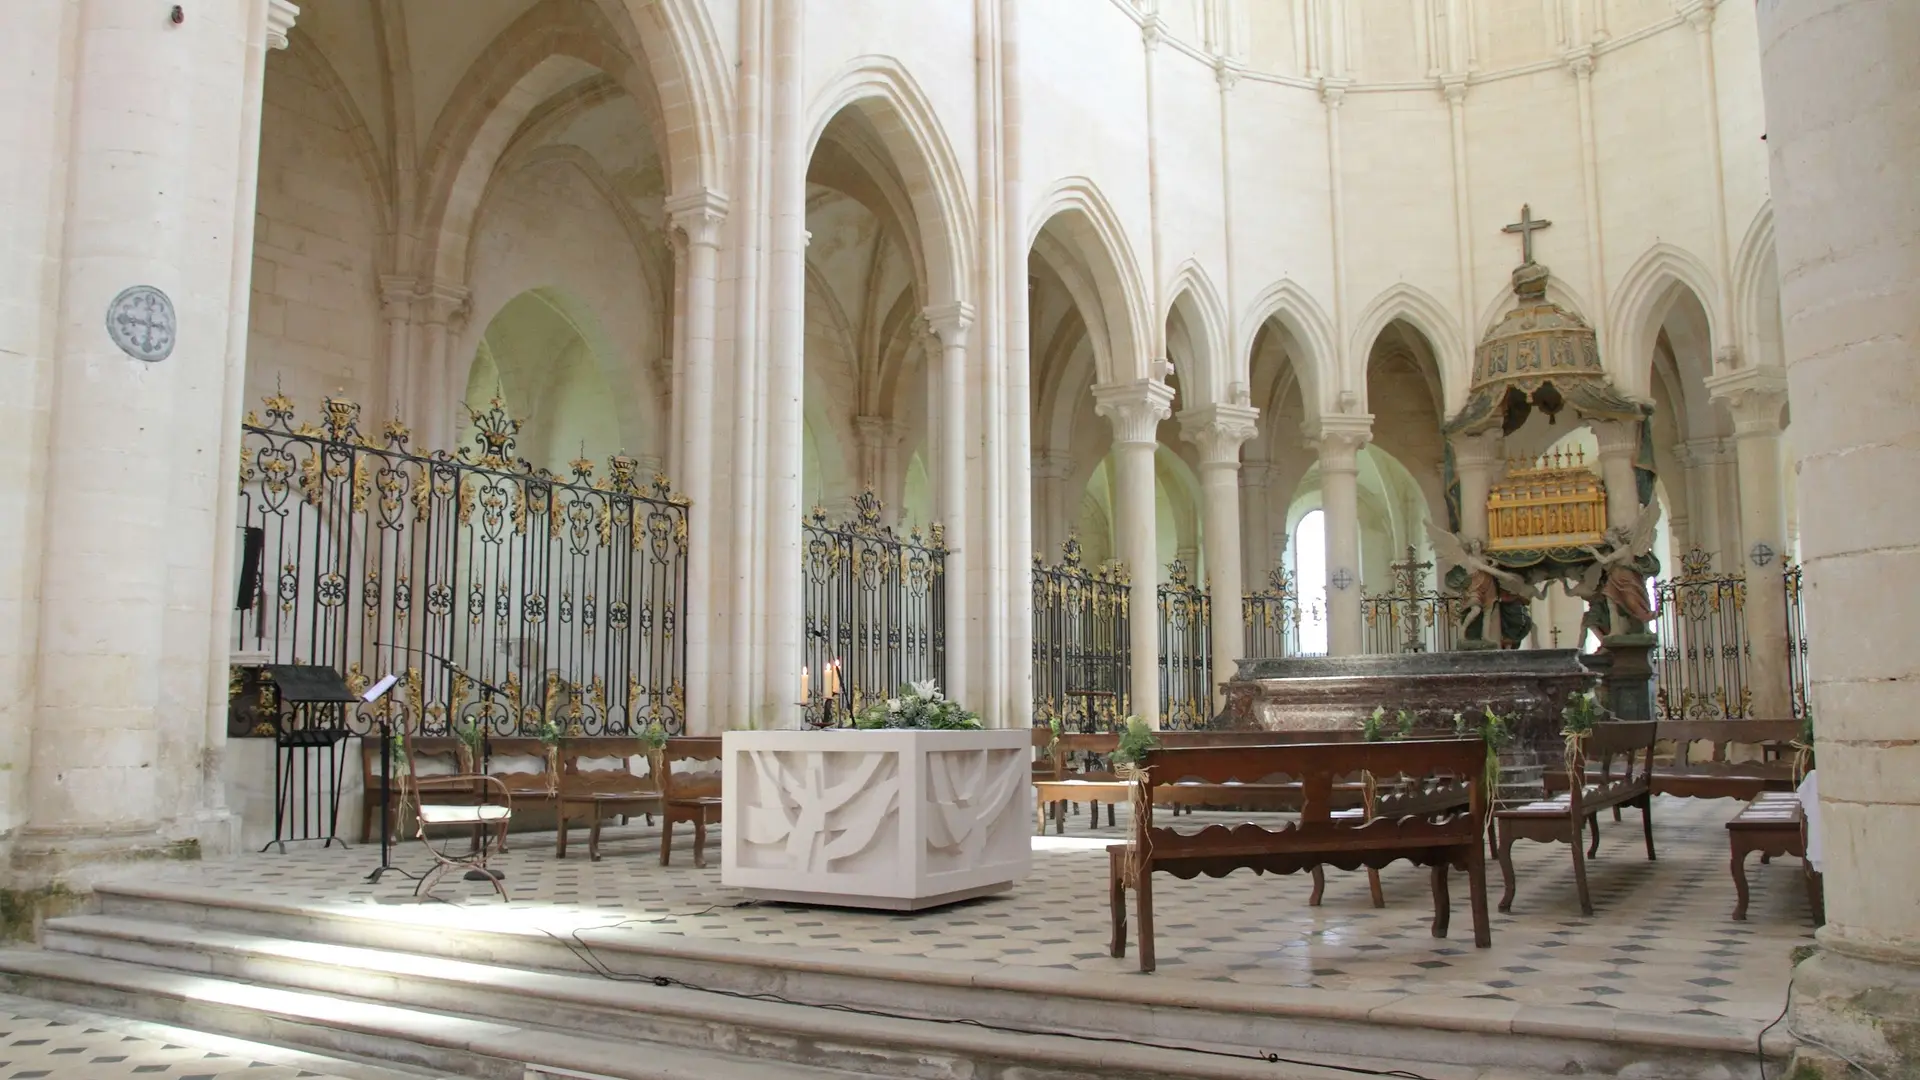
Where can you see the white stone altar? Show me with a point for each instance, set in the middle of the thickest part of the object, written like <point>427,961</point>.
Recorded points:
<point>900,820</point>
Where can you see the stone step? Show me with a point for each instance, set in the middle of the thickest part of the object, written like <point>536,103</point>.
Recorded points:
<point>422,1039</point>
<point>838,1041</point>
<point>1292,1022</point>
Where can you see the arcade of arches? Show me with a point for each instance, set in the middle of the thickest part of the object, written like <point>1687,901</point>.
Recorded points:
<point>1168,279</point>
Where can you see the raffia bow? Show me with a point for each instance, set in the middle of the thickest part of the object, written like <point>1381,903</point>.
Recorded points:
<point>1802,757</point>
<point>1140,802</point>
<point>1575,755</point>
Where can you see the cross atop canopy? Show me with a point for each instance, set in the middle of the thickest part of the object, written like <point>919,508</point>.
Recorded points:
<point>1526,227</point>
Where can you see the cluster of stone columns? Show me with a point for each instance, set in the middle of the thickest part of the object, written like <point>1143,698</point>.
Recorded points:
<point>1843,128</point>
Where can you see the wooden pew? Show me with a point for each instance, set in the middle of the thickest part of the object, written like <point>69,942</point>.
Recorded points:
<point>1563,817</point>
<point>1716,777</point>
<point>1440,840</point>
<point>1772,824</point>
<point>598,783</point>
<point>689,797</point>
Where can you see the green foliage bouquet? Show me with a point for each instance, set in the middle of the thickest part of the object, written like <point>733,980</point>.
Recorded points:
<point>921,708</point>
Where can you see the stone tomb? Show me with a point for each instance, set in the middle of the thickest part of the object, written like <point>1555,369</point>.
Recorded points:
<point>1530,687</point>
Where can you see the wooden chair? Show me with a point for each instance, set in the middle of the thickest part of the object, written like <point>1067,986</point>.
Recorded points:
<point>597,782</point>
<point>690,797</point>
<point>481,819</point>
<point>1717,777</point>
<point>1563,818</point>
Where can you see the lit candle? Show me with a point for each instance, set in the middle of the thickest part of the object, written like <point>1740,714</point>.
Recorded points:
<point>803,685</point>
<point>836,678</point>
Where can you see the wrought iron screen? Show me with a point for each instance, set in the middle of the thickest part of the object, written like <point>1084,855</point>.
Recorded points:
<point>1798,685</point>
<point>1186,650</point>
<point>1273,616</point>
<point>1080,645</point>
<point>875,602</point>
<point>461,572</point>
<point>1703,646</point>
<point>1411,618</point>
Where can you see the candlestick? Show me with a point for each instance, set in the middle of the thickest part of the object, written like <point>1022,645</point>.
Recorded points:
<point>804,696</point>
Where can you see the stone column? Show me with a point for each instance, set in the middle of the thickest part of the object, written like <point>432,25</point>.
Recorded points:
<point>698,216</point>
<point>1054,513</point>
<point>1339,440</point>
<point>950,322</point>
<point>396,308</point>
<point>1257,558</point>
<point>1135,409</point>
<point>1476,458</point>
<point>1843,113</point>
<point>140,332</point>
<point>1218,432</point>
<point>1706,461</point>
<point>1756,397</point>
<point>444,381</point>
<point>1619,440</point>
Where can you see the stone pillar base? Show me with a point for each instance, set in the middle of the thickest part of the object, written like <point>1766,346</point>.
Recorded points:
<point>73,858</point>
<point>1866,1010</point>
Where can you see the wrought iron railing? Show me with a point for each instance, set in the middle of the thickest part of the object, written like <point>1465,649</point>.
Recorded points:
<point>875,604</point>
<point>1186,650</point>
<point>1080,644</point>
<point>1410,617</point>
<point>1798,685</point>
<point>1272,617</point>
<point>1703,649</point>
<point>497,591</point>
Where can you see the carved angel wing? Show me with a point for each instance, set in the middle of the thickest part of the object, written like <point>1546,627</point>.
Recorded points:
<point>1448,547</point>
<point>1641,541</point>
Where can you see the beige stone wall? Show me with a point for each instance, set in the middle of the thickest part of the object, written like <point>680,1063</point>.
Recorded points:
<point>315,326</point>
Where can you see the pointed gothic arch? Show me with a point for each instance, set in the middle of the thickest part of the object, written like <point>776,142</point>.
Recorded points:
<point>1204,376</point>
<point>1427,315</point>
<point>1311,331</point>
<point>1646,295</point>
<point>1093,247</point>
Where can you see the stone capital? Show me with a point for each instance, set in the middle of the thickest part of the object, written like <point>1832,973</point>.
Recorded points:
<point>949,322</point>
<point>1227,72</point>
<point>1134,408</point>
<point>877,432</point>
<point>1333,91</point>
<point>396,297</point>
<point>1616,437</point>
<point>1339,439</point>
<point>697,215</point>
<point>1454,88</point>
<point>1218,431</point>
<point>446,305</point>
<point>1475,451</point>
<point>1580,63</point>
<point>1755,396</point>
<point>1255,473</point>
<point>280,17</point>
<point>1698,453</point>
<point>1698,13</point>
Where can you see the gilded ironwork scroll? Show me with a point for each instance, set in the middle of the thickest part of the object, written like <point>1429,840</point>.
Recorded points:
<point>499,592</point>
<point>875,605</point>
<point>1080,645</point>
<point>1704,653</point>
<point>1186,650</point>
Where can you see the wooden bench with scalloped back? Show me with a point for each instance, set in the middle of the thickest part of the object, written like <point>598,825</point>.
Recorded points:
<point>1566,817</point>
<point>1447,832</point>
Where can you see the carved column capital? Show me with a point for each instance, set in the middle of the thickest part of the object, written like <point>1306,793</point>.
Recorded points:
<point>446,305</point>
<point>1052,465</point>
<point>1333,91</point>
<point>949,322</point>
<point>697,215</point>
<point>1339,439</point>
<point>1454,88</point>
<point>1580,63</point>
<point>1134,408</point>
<point>1227,72</point>
<point>397,296</point>
<point>1218,431</point>
<point>280,18</point>
<point>1755,396</point>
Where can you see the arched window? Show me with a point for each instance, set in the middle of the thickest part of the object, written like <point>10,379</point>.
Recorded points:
<point>1310,581</point>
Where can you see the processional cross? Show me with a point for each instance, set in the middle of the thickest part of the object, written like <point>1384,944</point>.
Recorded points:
<point>1526,227</point>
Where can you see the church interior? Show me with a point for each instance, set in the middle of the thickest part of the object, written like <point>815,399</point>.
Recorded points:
<point>1057,538</point>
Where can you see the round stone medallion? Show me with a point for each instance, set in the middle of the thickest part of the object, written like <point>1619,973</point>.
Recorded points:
<point>141,321</point>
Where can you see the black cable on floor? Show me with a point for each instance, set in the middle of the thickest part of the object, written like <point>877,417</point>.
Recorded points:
<point>586,955</point>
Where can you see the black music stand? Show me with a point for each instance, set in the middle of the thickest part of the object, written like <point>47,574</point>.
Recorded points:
<point>307,733</point>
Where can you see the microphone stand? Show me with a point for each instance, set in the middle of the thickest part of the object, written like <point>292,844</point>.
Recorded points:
<point>487,690</point>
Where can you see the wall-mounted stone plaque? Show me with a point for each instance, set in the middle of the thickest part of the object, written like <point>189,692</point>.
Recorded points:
<point>141,321</point>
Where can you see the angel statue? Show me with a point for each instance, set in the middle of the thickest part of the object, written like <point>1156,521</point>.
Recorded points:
<point>1485,588</point>
<point>1615,585</point>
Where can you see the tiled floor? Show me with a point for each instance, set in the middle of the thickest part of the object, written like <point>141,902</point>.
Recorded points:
<point>1662,941</point>
<point>38,1039</point>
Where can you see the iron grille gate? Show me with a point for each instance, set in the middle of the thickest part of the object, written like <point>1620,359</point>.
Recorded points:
<point>875,604</point>
<point>1272,618</point>
<point>465,571</point>
<point>1186,651</point>
<point>1703,645</point>
<point>1797,685</point>
<point>1080,645</point>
